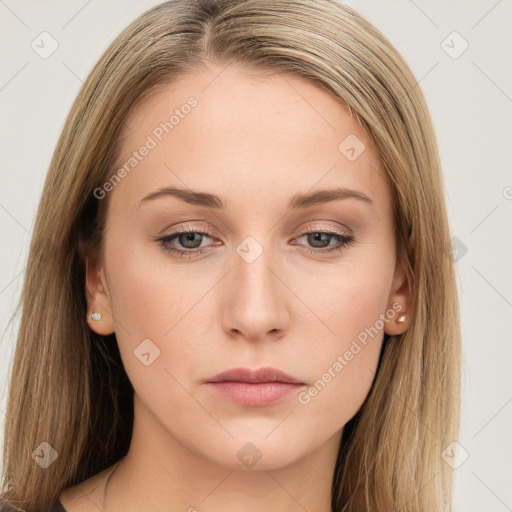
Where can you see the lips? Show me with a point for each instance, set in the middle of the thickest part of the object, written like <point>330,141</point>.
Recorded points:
<point>254,388</point>
<point>265,374</point>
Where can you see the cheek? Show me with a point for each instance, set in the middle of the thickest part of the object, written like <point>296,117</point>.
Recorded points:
<point>344,299</point>
<point>151,299</point>
<point>150,293</point>
<point>350,315</point>
<point>342,367</point>
<point>156,306</point>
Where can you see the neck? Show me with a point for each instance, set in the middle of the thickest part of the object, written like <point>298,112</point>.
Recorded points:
<point>159,473</point>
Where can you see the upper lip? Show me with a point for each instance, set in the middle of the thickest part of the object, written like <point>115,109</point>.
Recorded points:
<point>265,374</point>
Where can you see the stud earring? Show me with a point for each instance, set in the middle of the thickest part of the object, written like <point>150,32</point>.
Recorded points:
<point>95,316</point>
<point>400,319</point>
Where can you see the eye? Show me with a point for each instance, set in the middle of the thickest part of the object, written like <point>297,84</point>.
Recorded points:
<point>191,240</point>
<point>321,239</point>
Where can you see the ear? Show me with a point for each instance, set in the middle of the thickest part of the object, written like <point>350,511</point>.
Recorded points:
<point>400,301</point>
<point>97,294</point>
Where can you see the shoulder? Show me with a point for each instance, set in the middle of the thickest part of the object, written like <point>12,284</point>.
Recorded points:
<point>84,497</point>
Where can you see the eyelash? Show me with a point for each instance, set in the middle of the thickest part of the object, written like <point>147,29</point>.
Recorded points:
<point>344,240</point>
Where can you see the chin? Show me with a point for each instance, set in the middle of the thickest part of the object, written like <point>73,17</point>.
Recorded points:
<point>255,450</point>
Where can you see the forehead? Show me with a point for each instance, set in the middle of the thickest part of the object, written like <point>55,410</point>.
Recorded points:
<point>232,131</point>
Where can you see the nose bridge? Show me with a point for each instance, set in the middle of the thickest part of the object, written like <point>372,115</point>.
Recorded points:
<point>256,304</point>
<point>253,259</point>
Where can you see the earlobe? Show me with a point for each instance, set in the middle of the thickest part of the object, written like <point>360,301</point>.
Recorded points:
<point>397,325</point>
<point>400,303</point>
<point>100,324</point>
<point>99,311</point>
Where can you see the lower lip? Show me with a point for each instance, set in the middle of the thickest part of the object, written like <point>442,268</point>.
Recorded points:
<point>254,395</point>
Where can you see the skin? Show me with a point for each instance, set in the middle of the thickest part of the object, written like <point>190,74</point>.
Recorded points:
<point>255,140</point>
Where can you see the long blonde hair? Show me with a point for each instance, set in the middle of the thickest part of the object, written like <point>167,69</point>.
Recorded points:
<point>68,386</point>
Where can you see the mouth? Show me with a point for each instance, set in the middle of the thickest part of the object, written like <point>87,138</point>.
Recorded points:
<point>255,388</point>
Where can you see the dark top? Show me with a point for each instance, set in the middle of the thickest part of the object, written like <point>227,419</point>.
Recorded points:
<point>56,507</point>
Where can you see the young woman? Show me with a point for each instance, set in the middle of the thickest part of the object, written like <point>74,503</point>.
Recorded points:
<point>237,295</point>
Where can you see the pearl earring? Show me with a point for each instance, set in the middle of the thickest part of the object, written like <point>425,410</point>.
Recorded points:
<point>401,319</point>
<point>95,316</point>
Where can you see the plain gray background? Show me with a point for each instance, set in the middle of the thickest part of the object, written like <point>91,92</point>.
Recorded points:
<point>470,97</point>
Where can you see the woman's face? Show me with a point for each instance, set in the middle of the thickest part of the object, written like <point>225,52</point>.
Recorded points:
<point>273,272</point>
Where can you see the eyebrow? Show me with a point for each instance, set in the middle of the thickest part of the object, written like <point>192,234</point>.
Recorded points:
<point>297,201</point>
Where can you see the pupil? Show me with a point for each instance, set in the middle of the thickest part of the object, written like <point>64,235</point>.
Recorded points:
<point>188,240</point>
<point>317,237</point>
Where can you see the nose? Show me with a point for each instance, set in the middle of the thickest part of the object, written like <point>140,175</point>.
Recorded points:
<point>254,299</point>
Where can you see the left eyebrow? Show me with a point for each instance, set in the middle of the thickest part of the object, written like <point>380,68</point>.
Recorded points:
<point>326,196</point>
<point>298,201</point>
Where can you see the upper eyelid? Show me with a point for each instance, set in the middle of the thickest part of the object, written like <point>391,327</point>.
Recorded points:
<point>312,229</point>
<point>204,228</point>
